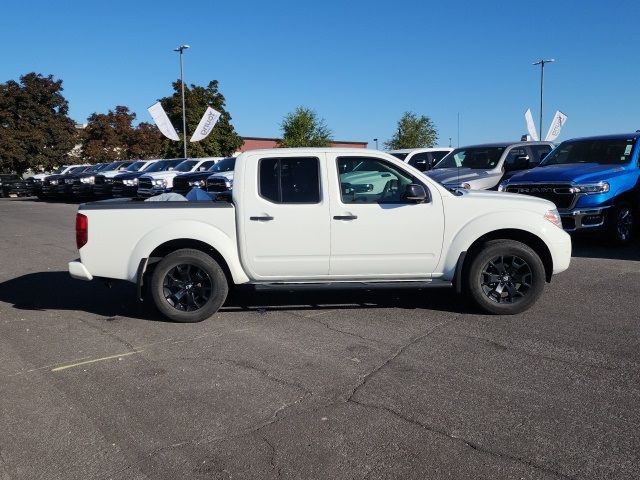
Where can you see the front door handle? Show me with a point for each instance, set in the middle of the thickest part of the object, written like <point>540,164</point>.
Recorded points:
<point>345,217</point>
<point>266,218</point>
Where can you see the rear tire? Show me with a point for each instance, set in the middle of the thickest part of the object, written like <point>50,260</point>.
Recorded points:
<point>505,277</point>
<point>188,286</point>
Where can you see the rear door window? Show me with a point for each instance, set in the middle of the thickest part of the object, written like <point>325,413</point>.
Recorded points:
<point>290,179</point>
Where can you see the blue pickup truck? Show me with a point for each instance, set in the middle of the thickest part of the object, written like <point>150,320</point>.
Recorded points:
<point>593,181</point>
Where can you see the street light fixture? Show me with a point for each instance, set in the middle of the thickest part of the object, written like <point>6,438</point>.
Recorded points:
<point>542,63</point>
<point>181,49</point>
<point>376,140</point>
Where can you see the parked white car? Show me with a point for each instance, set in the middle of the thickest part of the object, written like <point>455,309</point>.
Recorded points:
<point>421,158</point>
<point>155,183</point>
<point>483,167</point>
<point>301,217</point>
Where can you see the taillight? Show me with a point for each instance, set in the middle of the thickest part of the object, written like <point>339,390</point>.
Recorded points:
<point>82,230</point>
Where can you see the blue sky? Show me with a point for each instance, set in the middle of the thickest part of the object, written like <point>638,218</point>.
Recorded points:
<point>359,64</point>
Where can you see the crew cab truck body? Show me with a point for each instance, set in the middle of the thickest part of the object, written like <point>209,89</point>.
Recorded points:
<point>594,182</point>
<point>311,217</point>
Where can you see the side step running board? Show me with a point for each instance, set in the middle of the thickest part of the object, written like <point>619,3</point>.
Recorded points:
<point>352,285</point>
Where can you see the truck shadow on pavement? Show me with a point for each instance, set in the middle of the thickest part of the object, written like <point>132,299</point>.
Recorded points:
<point>58,291</point>
<point>595,247</point>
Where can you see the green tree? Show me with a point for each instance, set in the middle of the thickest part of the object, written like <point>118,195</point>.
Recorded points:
<point>35,129</point>
<point>146,142</point>
<point>303,128</point>
<point>111,136</point>
<point>108,135</point>
<point>413,132</point>
<point>222,141</point>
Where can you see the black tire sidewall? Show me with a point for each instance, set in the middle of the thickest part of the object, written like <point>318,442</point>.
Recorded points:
<point>201,260</point>
<point>491,250</point>
<point>612,226</point>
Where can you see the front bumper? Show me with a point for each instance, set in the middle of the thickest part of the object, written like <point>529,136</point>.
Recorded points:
<point>124,191</point>
<point>102,189</point>
<point>78,271</point>
<point>82,190</point>
<point>152,192</point>
<point>583,218</point>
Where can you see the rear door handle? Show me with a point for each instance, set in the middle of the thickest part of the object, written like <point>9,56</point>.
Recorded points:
<point>266,218</point>
<point>345,217</point>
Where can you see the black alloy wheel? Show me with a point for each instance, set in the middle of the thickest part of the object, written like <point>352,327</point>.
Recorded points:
<point>506,279</point>
<point>624,223</point>
<point>188,285</point>
<point>187,288</point>
<point>503,277</point>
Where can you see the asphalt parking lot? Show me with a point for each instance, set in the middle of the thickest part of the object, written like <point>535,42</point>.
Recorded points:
<point>394,384</point>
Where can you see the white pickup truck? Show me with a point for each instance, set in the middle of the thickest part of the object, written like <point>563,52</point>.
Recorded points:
<point>324,217</point>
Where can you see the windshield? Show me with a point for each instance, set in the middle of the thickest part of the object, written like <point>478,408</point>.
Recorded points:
<point>135,166</point>
<point>401,156</point>
<point>224,165</point>
<point>186,166</point>
<point>163,165</point>
<point>93,168</point>
<point>77,170</point>
<point>59,170</point>
<point>606,152</point>
<point>481,158</point>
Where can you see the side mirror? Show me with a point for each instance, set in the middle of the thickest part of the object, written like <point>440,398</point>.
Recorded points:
<point>518,163</point>
<point>416,193</point>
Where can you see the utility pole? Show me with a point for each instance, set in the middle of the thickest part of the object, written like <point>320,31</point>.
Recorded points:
<point>181,49</point>
<point>542,63</point>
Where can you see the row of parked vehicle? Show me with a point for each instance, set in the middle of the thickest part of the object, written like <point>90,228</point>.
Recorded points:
<point>594,181</point>
<point>141,178</point>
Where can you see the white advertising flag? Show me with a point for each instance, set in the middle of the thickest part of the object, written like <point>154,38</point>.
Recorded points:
<point>162,121</point>
<point>208,121</point>
<point>559,119</point>
<point>531,127</point>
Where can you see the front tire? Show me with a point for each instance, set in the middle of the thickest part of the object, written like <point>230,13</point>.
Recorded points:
<point>621,223</point>
<point>505,277</point>
<point>188,286</point>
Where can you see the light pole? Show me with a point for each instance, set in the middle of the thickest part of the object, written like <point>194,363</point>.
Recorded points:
<point>376,140</point>
<point>541,63</point>
<point>181,49</point>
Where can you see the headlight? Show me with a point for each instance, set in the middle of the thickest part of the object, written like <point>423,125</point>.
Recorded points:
<point>89,180</point>
<point>503,186</point>
<point>131,183</point>
<point>229,183</point>
<point>196,183</point>
<point>554,217</point>
<point>455,186</point>
<point>54,182</point>
<point>600,187</point>
<point>160,183</point>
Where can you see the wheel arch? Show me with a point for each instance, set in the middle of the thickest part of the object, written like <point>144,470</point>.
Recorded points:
<point>530,239</point>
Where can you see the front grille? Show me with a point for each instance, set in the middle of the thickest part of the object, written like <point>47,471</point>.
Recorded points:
<point>145,183</point>
<point>181,185</point>
<point>77,181</point>
<point>562,195</point>
<point>568,223</point>
<point>118,181</point>
<point>216,185</point>
<point>99,180</point>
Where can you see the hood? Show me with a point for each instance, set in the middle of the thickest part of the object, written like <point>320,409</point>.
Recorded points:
<point>572,173</point>
<point>160,175</point>
<point>41,176</point>
<point>227,175</point>
<point>526,201</point>
<point>456,176</point>
<point>110,173</point>
<point>195,175</point>
<point>129,175</point>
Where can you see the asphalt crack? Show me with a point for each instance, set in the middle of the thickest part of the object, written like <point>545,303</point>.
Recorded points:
<point>468,443</point>
<point>363,381</point>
